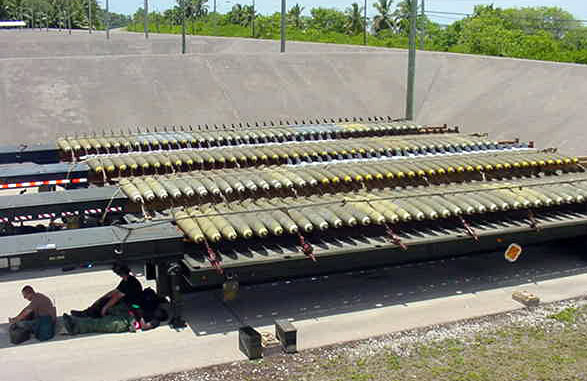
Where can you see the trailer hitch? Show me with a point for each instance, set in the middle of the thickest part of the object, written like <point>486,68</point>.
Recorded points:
<point>213,258</point>
<point>394,238</point>
<point>307,248</point>
<point>470,231</point>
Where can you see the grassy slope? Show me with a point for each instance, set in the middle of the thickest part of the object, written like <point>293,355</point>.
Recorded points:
<point>547,344</point>
<point>511,353</point>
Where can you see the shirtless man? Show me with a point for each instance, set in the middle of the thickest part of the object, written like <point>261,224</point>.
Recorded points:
<point>39,316</point>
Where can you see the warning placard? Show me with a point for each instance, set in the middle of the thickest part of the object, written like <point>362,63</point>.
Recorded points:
<point>513,252</point>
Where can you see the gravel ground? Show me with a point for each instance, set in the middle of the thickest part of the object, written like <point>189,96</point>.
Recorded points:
<point>370,359</point>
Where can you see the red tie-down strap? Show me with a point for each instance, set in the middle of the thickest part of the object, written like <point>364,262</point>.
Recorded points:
<point>213,258</point>
<point>394,238</point>
<point>470,231</point>
<point>307,248</point>
<point>533,222</point>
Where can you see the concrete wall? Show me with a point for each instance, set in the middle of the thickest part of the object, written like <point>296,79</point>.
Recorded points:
<point>41,98</point>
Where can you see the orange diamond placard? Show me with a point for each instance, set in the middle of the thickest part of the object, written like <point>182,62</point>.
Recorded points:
<point>513,252</point>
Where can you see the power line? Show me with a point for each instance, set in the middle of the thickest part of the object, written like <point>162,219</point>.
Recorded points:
<point>453,18</point>
<point>446,18</point>
<point>484,2</point>
<point>518,17</point>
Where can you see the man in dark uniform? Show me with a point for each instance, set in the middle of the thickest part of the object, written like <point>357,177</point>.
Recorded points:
<point>127,293</point>
<point>110,313</point>
<point>129,290</point>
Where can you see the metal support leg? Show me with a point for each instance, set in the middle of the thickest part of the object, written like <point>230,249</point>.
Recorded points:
<point>162,279</point>
<point>174,272</point>
<point>150,271</point>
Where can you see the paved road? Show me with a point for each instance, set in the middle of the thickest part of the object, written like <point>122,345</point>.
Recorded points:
<point>326,310</point>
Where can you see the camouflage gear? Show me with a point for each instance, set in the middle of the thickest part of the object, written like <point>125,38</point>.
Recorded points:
<point>117,320</point>
<point>107,324</point>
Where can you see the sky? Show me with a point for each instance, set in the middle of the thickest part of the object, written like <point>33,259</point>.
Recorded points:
<point>577,7</point>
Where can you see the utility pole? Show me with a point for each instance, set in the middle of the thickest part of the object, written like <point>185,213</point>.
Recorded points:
<point>146,19</point>
<point>90,15</point>
<point>183,28</point>
<point>107,21</point>
<point>157,21</point>
<point>253,21</point>
<point>411,61</point>
<point>365,24</point>
<point>423,26</point>
<point>283,6</point>
<point>69,16</point>
<point>214,6</point>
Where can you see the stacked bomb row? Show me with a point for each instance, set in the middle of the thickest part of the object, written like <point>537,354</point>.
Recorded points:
<point>293,153</point>
<point>167,140</point>
<point>278,216</point>
<point>388,172</point>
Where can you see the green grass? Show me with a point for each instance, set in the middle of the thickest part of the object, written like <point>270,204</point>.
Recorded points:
<point>517,353</point>
<point>202,28</point>
<point>568,315</point>
<point>392,361</point>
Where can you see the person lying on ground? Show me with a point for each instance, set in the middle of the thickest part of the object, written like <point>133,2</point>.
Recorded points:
<point>39,317</point>
<point>121,318</point>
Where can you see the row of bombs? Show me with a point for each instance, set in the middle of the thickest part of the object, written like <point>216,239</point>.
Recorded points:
<point>287,153</point>
<point>274,217</point>
<point>388,172</point>
<point>146,141</point>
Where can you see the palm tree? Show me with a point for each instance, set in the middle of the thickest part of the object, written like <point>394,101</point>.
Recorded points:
<point>195,9</point>
<point>3,11</point>
<point>295,16</point>
<point>199,8</point>
<point>174,15</point>
<point>241,14</point>
<point>401,16</point>
<point>384,19</point>
<point>236,14</point>
<point>14,9</point>
<point>354,23</point>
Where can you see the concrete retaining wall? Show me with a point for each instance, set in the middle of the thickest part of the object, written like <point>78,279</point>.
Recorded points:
<point>41,98</point>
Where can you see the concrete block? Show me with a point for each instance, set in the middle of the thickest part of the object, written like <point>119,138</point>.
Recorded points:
<point>286,333</point>
<point>249,342</point>
<point>526,298</point>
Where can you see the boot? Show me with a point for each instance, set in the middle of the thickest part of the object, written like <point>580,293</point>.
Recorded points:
<point>79,314</point>
<point>93,311</point>
<point>69,324</point>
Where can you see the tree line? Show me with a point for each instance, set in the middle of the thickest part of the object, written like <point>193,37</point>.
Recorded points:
<point>60,14</point>
<point>543,33</point>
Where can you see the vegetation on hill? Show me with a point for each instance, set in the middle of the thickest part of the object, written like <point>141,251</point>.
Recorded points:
<point>59,13</point>
<point>543,33</point>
